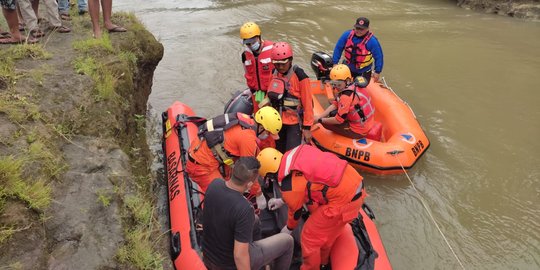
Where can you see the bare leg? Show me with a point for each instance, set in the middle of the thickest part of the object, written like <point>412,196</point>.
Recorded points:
<point>93,9</point>
<point>106,5</point>
<point>13,23</point>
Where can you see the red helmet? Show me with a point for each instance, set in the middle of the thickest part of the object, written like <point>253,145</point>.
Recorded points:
<point>281,51</point>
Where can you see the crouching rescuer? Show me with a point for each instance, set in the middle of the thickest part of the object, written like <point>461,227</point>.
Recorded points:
<point>223,139</point>
<point>329,186</point>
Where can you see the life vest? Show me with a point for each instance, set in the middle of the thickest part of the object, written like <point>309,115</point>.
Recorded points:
<point>213,132</point>
<point>359,54</point>
<point>361,109</point>
<point>258,69</point>
<point>318,167</point>
<point>279,94</point>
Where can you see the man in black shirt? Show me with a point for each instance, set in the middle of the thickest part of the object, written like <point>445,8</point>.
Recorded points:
<point>228,220</point>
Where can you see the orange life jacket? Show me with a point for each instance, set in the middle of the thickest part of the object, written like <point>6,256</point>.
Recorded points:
<point>213,132</point>
<point>279,92</point>
<point>361,109</point>
<point>359,54</point>
<point>258,69</point>
<point>318,167</point>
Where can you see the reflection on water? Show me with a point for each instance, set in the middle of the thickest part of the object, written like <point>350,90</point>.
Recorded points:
<point>472,80</point>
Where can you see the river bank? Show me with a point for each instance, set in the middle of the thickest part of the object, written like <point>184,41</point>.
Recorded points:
<point>525,9</point>
<point>76,191</point>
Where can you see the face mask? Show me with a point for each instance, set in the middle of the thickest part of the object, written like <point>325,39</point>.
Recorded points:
<point>255,46</point>
<point>263,136</point>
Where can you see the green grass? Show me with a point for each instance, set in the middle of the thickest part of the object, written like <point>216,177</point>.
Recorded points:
<point>95,46</point>
<point>36,195</point>
<point>104,198</point>
<point>139,250</point>
<point>100,74</point>
<point>6,232</point>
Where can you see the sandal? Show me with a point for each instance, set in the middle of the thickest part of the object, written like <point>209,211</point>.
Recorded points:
<point>65,17</point>
<point>117,29</point>
<point>60,29</point>
<point>22,40</point>
<point>37,33</point>
<point>5,34</point>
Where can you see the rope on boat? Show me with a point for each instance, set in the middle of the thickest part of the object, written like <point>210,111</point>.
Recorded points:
<point>429,213</point>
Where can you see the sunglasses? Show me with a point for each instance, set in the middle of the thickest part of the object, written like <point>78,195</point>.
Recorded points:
<point>336,83</point>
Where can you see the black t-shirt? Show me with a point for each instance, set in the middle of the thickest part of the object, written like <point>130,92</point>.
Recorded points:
<point>227,216</point>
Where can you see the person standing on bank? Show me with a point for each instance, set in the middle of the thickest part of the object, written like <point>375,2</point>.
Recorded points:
<point>362,49</point>
<point>228,221</point>
<point>257,61</point>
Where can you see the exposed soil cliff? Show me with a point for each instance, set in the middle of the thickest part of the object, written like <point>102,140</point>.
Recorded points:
<point>75,185</point>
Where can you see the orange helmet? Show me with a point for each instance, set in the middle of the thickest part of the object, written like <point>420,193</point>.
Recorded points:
<point>270,160</point>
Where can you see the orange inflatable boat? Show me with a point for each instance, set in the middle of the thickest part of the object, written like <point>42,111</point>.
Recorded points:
<point>401,141</point>
<point>359,247</point>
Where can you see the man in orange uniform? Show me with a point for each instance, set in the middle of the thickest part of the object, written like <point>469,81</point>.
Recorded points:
<point>289,92</point>
<point>225,138</point>
<point>330,187</point>
<point>257,62</point>
<point>354,116</point>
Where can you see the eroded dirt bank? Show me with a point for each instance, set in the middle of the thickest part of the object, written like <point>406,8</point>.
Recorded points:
<point>76,191</point>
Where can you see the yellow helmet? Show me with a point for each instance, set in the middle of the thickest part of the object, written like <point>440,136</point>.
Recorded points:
<point>270,159</point>
<point>340,72</point>
<point>270,119</point>
<point>249,30</point>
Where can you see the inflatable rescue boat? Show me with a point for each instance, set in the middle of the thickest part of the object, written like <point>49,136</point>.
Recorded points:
<point>397,144</point>
<point>359,248</point>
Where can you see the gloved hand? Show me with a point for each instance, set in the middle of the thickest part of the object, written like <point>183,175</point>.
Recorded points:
<point>261,202</point>
<point>274,204</point>
<point>286,230</point>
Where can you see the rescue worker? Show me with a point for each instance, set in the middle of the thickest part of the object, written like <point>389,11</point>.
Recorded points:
<point>331,188</point>
<point>289,92</point>
<point>352,106</point>
<point>225,138</point>
<point>361,49</point>
<point>256,58</point>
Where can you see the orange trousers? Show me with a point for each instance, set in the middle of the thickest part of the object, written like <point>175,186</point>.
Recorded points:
<point>322,229</point>
<point>202,175</point>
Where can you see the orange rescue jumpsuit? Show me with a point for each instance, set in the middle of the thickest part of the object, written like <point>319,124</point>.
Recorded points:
<point>327,221</point>
<point>203,167</point>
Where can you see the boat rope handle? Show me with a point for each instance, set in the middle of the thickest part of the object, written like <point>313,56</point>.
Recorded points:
<point>430,214</point>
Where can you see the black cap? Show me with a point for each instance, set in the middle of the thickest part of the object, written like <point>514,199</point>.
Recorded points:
<point>362,22</point>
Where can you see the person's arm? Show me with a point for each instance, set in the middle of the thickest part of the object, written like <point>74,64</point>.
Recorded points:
<point>375,48</point>
<point>340,45</point>
<point>325,113</point>
<point>241,255</point>
<point>293,193</point>
<point>244,218</point>
<point>344,104</point>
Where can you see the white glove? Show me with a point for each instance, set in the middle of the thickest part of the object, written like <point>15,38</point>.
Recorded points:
<point>286,230</point>
<point>274,204</point>
<point>261,202</point>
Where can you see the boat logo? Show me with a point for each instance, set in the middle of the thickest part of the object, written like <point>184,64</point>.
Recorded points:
<point>408,137</point>
<point>362,143</point>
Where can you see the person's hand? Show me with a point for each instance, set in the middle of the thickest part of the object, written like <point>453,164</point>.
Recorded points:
<point>307,135</point>
<point>316,118</point>
<point>375,76</point>
<point>274,204</point>
<point>261,202</point>
<point>286,230</point>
